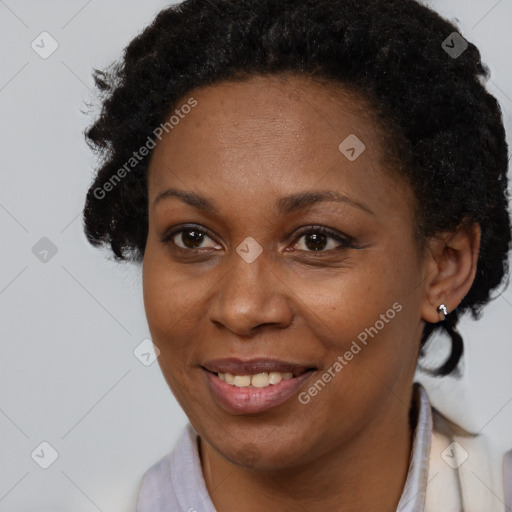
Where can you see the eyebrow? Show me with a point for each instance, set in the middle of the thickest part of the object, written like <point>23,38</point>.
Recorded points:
<point>284,206</point>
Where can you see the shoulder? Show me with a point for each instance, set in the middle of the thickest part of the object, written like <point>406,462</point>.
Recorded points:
<point>157,491</point>
<point>465,469</point>
<point>156,487</point>
<point>175,482</point>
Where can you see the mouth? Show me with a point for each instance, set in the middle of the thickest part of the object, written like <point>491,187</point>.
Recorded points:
<point>254,386</point>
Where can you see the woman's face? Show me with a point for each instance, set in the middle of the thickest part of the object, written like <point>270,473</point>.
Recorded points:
<point>239,277</point>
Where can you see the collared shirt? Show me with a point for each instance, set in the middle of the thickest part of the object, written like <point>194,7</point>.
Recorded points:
<point>413,494</point>
<point>176,484</point>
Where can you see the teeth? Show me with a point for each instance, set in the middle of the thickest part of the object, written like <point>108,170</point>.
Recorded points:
<point>275,377</point>
<point>242,381</point>
<point>259,380</point>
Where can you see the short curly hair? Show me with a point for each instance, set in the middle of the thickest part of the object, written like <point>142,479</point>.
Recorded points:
<point>447,130</point>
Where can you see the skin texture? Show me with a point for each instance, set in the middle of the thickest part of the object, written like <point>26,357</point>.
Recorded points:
<point>245,146</point>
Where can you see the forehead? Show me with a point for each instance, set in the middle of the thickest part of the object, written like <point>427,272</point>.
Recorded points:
<point>281,134</point>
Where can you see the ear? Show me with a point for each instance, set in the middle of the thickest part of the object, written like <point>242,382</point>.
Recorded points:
<point>450,269</point>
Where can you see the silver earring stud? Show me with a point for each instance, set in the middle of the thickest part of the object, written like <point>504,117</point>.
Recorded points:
<point>443,312</point>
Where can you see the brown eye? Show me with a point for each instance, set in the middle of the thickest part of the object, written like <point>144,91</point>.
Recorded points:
<point>188,238</point>
<point>321,239</point>
<point>191,238</point>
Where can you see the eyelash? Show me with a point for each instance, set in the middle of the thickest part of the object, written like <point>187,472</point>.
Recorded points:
<point>345,241</point>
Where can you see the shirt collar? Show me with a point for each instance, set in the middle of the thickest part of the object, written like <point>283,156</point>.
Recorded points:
<point>413,494</point>
<point>176,481</point>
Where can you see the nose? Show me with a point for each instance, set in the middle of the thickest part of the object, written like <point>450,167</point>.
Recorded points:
<point>251,296</point>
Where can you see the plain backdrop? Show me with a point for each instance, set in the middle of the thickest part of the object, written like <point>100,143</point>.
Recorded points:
<point>71,319</point>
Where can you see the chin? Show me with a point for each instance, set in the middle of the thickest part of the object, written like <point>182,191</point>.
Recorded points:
<point>260,451</point>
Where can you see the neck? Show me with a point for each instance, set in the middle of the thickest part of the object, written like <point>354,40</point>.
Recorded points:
<point>366,473</point>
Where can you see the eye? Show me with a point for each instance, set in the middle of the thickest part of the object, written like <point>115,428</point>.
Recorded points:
<point>188,238</point>
<point>316,239</point>
<point>322,239</point>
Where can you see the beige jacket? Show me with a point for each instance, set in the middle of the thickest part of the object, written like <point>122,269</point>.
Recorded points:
<point>465,473</point>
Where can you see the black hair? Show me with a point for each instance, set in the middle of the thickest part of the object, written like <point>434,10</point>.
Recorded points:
<point>424,81</point>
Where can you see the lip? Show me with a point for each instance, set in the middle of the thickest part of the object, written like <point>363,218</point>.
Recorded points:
<point>237,366</point>
<point>251,400</point>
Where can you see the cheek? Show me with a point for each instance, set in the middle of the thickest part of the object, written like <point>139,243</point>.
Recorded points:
<point>353,300</point>
<point>167,300</point>
<point>369,318</point>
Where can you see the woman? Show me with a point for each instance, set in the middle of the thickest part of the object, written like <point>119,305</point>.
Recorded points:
<point>313,189</point>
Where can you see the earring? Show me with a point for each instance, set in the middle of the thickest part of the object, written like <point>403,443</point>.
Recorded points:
<point>443,312</point>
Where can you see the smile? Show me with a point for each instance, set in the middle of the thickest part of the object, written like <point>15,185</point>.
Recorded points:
<point>259,380</point>
<point>251,387</point>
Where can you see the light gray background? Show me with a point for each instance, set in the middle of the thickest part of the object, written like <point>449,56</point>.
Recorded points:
<point>68,327</point>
